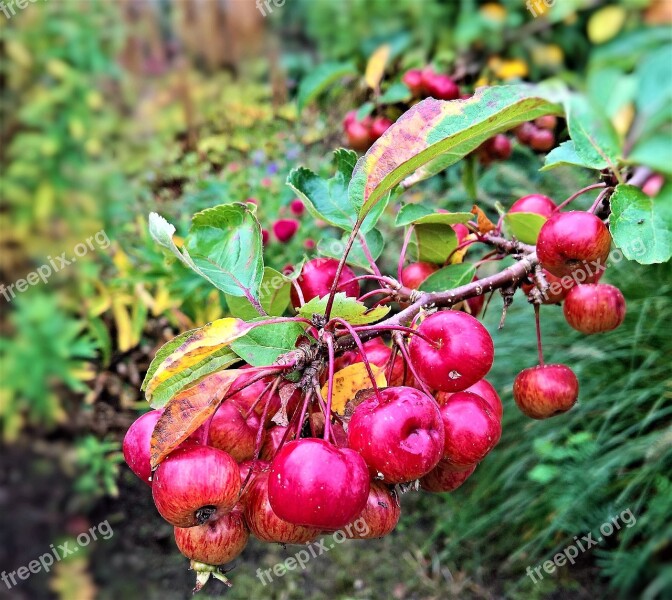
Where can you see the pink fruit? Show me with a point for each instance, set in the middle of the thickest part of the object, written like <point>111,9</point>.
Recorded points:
<point>544,391</point>
<point>137,442</point>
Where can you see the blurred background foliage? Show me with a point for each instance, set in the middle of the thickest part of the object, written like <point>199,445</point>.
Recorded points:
<point>113,109</point>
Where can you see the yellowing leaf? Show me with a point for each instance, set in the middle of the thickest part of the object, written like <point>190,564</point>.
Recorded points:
<point>375,68</point>
<point>510,69</point>
<point>493,11</point>
<point>605,23</point>
<point>124,324</point>
<point>622,120</point>
<point>196,346</point>
<point>548,55</point>
<point>187,411</point>
<point>348,381</point>
<point>485,225</point>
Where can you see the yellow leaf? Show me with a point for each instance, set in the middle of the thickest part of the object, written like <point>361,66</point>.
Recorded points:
<point>348,381</point>
<point>493,11</point>
<point>19,54</point>
<point>605,23</point>
<point>375,68</point>
<point>44,201</point>
<point>57,68</point>
<point>623,119</point>
<point>458,256</point>
<point>548,55</point>
<point>72,580</point>
<point>124,324</point>
<point>515,68</point>
<point>163,301</point>
<point>121,261</point>
<point>197,346</point>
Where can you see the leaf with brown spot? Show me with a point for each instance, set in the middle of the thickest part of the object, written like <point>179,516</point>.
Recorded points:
<point>350,380</point>
<point>187,411</point>
<point>485,225</point>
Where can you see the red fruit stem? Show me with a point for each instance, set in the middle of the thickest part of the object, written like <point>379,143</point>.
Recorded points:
<point>330,388</point>
<point>399,341</point>
<point>251,409</point>
<point>369,256</point>
<point>374,293</point>
<point>458,248</point>
<point>538,326</point>
<point>341,264</point>
<point>262,420</point>
<point>402,254</point>
<point>600,198</point>
<point>401,328</point>
<point>582,191</point>
<point>362,352</point>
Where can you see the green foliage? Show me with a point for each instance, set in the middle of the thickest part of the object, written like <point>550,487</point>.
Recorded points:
<point>98,464</point>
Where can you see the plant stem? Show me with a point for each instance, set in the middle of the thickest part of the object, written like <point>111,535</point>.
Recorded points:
<point>341,264</point>
<point>402,254</point>
<point>538,326</point>
<point>582,191</point>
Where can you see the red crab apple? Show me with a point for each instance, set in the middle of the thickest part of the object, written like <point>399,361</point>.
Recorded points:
<point>461,231</point>
<point>440,87</point>
<point>216,542</point>
<point>459,351</point>
<point>249,396</point>
<point>285,229</point>
<point>316,279</point>
<point>413,81</point>
<point>398,432</point>
<point>534,203</point>
<point>653,184</point>
<point>272,441</point>
<point>297,207</point>
<point>594,308</point>
<point>358,135</point>
<point>379,126</point>
<point>414,274</point>
<point>546,122</point>
<point>251,469</point>
<point>471,427</point>
<point>378,353</point>
<point>265,524</point>
<point>315,484</point>
<point>195,484</point>
<point>136,445</point>
<point>379,517</point>
<point>485,390</point>
<point>545,390</point>
<point>231,432</point>
<point>498,147</point>
<point>542,140</point>
<point>445,477</point>
<point>574,242</point>
<point>524,132</point>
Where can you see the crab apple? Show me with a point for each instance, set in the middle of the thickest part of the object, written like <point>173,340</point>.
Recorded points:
<point>542,140</point>
<point>339,437</point>
<point>534,203</point>
<point>252,466</point>
<point>265,524</point>
<point>594,308</point>
<point>379,126</point>
<point>379,517</point>
<point>558,288</point>
<point>272,441</point>
<point>471,427</point>
<point>459,351</point>
<point>524,132</point>
<point>545,390</point>
<point>379,353</point>
<point>233,433</point>
<point>445,477</point>
<point>413,80</point>
<point>285,229</point>
<point>498,147</point>
<point>216,542</point>
<point>485,390</point>
<point>546,122</point>
<point>415,273</point>
<point>574,241</point>
<point>136,445</point>
<point>350,117</point>
<point>440,86</point>
<point>297,207</point>
<point>249,396</point>
<point>398,432</point>
<point>653,184</point>
<point>317,277</point>
<point>315,484</point>
<point>265,236</point>
<point>195,484</point>
<point>358,135</point>
<point>461,231</point>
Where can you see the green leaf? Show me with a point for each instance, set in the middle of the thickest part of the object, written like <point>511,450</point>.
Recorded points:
<point>654,152</point>
<point>422,215</point>
<point>273,296</point>
<point>642,226</point>
<point>435,128</point>
<point>654,81</point>
<point>327,199</point>
<point>397,92</point>
<point>564,155</point>
<point>345,307</point>
<point>524,226</point>
<point>225,244</point>
<point>264,344</point>
<point>449,278</point>
<point>167,389</point>
<point>435,242</point>
<point>595,139</point>
<point>320,78</point>
<point>334,248</point>
<point>610,89</point>
<point>365,110</point>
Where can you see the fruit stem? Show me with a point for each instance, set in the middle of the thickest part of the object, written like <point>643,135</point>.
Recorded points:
<point>367,253</point>
<point>330,387</point>
<point>339,269</point>
<point>362,352</point>
<point>374,293</point>
<point>262,420</point>
<point>399,341</point>
<point>600,198</point>
<point>402,254</point>
<point>538,327</point>
<point>575,195</point>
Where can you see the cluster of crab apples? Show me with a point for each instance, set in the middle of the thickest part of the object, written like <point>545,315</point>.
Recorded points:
<point>290,480</point>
